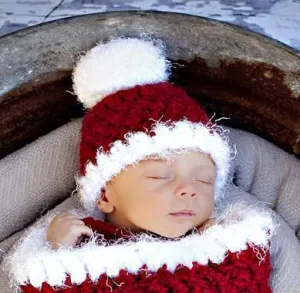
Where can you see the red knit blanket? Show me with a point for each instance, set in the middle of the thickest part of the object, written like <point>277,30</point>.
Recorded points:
<point>238,273</point>
<point>230,256</point>
<point>242,272</point>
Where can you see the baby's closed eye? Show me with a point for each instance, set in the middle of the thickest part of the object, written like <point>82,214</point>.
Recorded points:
<point>204,177</point>
<point>206,180</point>
<point>158,176</point>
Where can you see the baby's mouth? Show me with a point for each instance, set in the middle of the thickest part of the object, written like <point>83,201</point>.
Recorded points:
<point>183,213</point>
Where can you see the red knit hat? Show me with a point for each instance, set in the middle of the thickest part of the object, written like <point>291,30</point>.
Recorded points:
<point>135,113</point>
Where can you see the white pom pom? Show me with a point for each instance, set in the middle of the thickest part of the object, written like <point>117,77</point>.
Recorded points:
<point>119,64</point>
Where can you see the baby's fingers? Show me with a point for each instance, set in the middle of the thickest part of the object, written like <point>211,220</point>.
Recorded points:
<point>81,230</point>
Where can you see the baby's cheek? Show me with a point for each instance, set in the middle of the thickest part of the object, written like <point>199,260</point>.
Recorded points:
<point>148,214</point>
<point>149,209</point>
<point>205,201</point>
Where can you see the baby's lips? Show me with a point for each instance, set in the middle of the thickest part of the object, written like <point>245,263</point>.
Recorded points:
<point>183,213</point>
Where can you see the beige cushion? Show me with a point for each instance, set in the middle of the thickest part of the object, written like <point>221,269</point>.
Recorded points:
<point>268,173</point>
<point>37,177</point>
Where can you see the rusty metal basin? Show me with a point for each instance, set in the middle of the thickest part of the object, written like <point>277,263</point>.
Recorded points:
<point>250,78</point>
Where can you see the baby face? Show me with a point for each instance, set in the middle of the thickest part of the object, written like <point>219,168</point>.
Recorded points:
<point>165,197</point>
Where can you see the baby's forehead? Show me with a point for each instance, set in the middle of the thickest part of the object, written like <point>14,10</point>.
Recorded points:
<point>194,158</point>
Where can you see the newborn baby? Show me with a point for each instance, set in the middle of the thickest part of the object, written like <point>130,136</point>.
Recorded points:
<point>165,197</point>
<point>152,178</point>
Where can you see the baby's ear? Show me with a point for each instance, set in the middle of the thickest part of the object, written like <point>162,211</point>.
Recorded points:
<point>104,204</point>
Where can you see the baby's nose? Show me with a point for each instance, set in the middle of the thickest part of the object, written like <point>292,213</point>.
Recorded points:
<point>188,193</point>
<point>186,190</point>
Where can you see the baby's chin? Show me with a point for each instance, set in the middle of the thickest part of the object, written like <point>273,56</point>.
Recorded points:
<point>169,229</point>
<point>171,234</point>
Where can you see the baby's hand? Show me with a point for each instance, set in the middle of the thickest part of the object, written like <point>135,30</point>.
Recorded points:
<point>66,230</point>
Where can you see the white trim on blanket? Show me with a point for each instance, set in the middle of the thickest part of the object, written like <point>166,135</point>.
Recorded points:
<point>35,262</point>
<point>179,137</point>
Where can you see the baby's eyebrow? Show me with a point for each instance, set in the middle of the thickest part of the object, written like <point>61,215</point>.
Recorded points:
<point>158,160</point>
<point>159,163</point>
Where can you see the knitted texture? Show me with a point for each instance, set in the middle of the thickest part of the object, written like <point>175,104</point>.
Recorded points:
<point>246,271</point>
<point>133,110</point>
<point>239,273</point>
